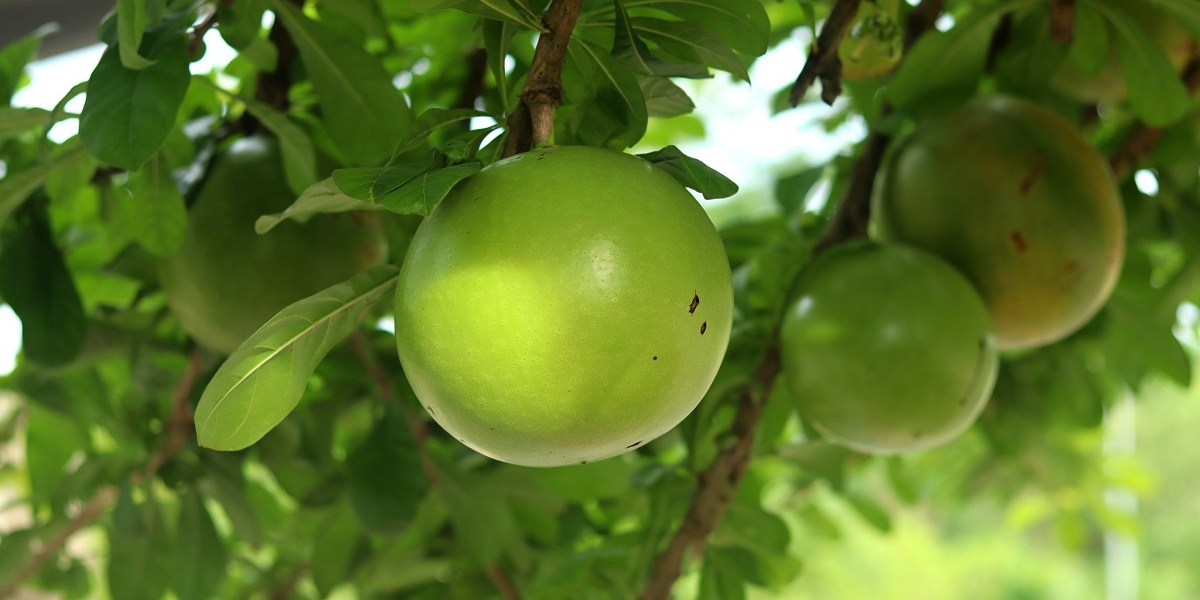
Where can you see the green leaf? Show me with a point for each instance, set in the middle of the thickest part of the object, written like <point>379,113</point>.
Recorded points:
<point>320,197</point>
<point>607,107</point>
<point>240,22</point>
<point>431,120</point>
<point>664,98</point>
<point>299,158</point>
<point>202,557</point>
<point>720,578</point>
<point>598,480</point>
<point>743,25</point>
<point>386,477</point>
<point>16,121</point>
<point>139,561</point>
<point>263,380</point>
<point>420,195</point>
<point>632,51</point>
<point>1089,49</point>
<point>870,511</point>
<point>500,10</point>
<point>14,551</point>
<point>1156,93</point>
<point>944,67</point>
<point>334,547</point>
<point>480,514</point>
<point>157,212</point>
<point>363,110</point>
<point>13,59</point>
<point>371,184</point>
<point>496,38</point>
<point>692,173</point>
<point>51,438</point>
<point>129,113</point>
<point>15,188</point>
<point>36,283</point>
<point>691,43</point>
<point>1185,12</point>
<point>131,26</point>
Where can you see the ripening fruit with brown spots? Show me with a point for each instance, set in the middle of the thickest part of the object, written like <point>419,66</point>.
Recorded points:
<point>1011,194</point>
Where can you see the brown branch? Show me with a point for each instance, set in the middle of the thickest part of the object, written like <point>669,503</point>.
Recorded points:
<point>532,121</point>
<point>920,19</point>
<point>508,591</point>
<point>473,83</point>
<point>1145,137</point>
<point>287,588</point>
<point>272,88</point>
<point>823,62</point>
<point>1062,21</point>
<point>853,212</point>
<point>178,428</point>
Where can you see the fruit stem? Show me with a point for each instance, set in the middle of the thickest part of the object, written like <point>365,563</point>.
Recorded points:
<point>531,123</point>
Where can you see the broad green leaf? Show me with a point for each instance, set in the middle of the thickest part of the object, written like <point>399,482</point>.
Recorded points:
<point>51,438</point>
<point>1185,12</point>
<point>431,120</point>
<point>157,211</point>
<point>263,380</point>
<point>364,112</point>
<point>598,480</point>
<point>664,98</point>
<point>320,197</point>
<point>299,158</point>
<point>1090,49</point>
<point>501,10</point>
<point>1031,57</point>
<point>480,514</point>
<point>792,190</point>
<point>131,26</point>
<point>870,511</point>
<point>139,558</point>
<point>13,59</point>
<point>371,184</point>
<point>720,578</point>
<point>421,194</point>
<point>496,38</point>
<point>129,113</point>
<point>226,484</point>
<point>692,173</point>
<point>15,188</point>
<point>35,282</point>
<point>201,556</point>
<point>386,478</point>
<point>944,67</point>
<point>691,43</point>
<point>334,548</point>
<point>632,51</point>
<point>14,551</point>
<point>1156,93</point>
<point>240,22</point>
<point>606,106</point>
<point>16,121</point>
<point>743,25</point>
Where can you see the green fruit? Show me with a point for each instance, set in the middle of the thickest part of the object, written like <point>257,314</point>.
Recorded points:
<point>1108,84</point>
<point>887,349</point>
<point>1013,196</point>
<point>226,280</point>
<point>563,306</point>
<point>875,42</point>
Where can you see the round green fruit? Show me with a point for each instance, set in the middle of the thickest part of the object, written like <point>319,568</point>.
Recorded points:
<point>1108,84</point>
<point>226,280</point>
<point>1013,196</point>
<point>563,306</point>
<point>887,349</point>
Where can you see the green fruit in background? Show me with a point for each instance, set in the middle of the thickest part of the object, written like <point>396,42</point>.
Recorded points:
<point>875,42</point>
<point>1013,196</point>
<point>563,306</point>
<point>226,280</point>
<point>887,349</point>
<point>1108,84</point>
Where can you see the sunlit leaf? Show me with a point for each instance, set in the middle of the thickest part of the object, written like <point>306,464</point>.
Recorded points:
<point>320,197</point>
<point>692,172</point>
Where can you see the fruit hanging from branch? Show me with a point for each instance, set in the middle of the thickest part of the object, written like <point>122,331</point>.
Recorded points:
<point>562,306</point>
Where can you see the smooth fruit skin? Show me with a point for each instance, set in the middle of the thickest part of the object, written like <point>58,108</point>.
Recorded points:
<point>563,306</point>
<point>1013,196</point>
<point>887,349</point>
<point>226,280</point>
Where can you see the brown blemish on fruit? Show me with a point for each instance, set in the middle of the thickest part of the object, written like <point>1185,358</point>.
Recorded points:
<point>654,358</point>
<point>1035,173</point>
<point>1018,240</point>
<point>703,326</point>
<point>694,304</point>
<point>583,462</point>
<point>429,408</point>
<point>633,444</point>
<point>1072,267</point>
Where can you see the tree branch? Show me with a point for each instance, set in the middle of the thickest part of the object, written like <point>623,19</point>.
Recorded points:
<point>508,591</point>
<point>472,85</point>
<point>178,429</point>
<point>1062,21</point>
<point>196,40</point>
<point>853,212</point>
<point>823,62</point>
<point>272,88</point>
<point>532,121</point>
<point>1145,137</point>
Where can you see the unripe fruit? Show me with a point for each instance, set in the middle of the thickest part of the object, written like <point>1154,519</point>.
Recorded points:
<point>887,349</point>
<point>1014,197</point>
<point>563,306</point>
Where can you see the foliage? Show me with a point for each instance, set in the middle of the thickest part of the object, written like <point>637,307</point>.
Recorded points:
<point>385,105</point>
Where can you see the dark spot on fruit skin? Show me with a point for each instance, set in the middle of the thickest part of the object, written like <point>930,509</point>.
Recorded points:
<point>633,444</point>
<point>703,327</point>
<point>694,304</point>
<point>583,462</point>
<point>1035,173</point>
<point>655,358</point>
<point>429,408</point>
<point>1018,241</point>
<point>1072,267</point>
<point>916,435</point>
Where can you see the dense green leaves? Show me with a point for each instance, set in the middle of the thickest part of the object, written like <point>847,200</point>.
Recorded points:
<point>140,548</point>
<point>200,561</point>
<point>158,215</point>
<point>386,477</point>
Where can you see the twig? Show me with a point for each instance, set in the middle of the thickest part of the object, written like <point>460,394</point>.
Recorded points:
<point>532,121</point>
<point>853,212</point>
<point>287,587</point>
<point>1062,21</point>
<point>508,591</point>
<point>272,88</point>
<point>179,430</point>
<point>473,83</point>
<point>197,37</point>
<point>1145,137</point>
<point>823,62</point>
